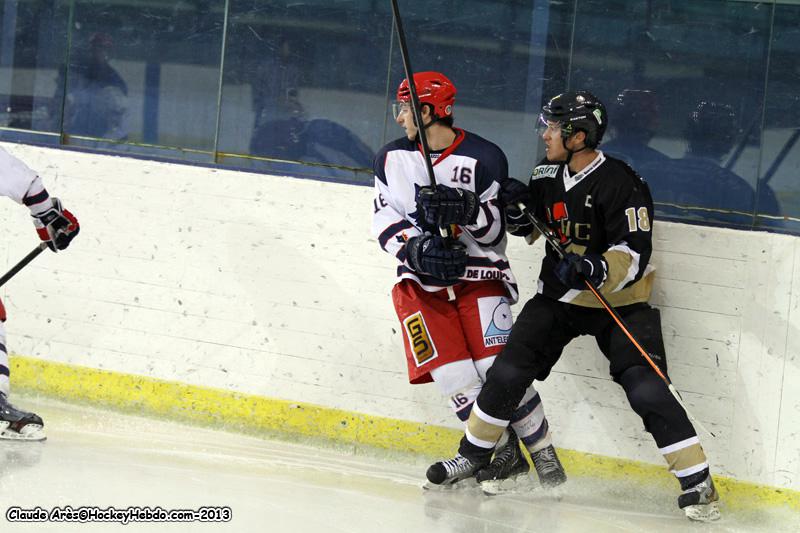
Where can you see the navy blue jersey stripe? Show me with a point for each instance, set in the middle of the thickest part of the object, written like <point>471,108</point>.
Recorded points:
<point>424,278</point>
<point>489,221</point>
<point>393,230</point>
<point>526,409</point>
<point>488,263</point>
<point>36,198</point>
<point>463,414</point>
<point>4,371</point>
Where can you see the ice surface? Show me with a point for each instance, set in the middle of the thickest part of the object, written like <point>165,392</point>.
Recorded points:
<point>99,458</point>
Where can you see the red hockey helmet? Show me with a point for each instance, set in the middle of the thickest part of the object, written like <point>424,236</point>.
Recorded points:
<point>433,88</point>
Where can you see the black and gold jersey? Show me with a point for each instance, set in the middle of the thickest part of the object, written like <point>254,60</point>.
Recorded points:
<point>606,208</point>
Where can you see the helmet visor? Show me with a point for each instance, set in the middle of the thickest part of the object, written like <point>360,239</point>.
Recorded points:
<point>398,108</point>
<point>548,123</point>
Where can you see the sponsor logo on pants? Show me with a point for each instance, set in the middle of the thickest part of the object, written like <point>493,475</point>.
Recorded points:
<point>496,319</point>
<point>419,339</point>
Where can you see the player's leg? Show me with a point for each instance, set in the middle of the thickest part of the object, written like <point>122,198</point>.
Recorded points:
<point>486,319</point>
<point>662,415</point>
<point>437,351</point>
<point>15,424</point>
<point>533,347</point>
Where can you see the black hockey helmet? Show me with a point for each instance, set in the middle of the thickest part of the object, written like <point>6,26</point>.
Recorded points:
<point>577,111</point>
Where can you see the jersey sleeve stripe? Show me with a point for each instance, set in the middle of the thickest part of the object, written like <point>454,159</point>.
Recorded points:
<point>489,223</point>
<point>37,198</point>
<point>393,230</point>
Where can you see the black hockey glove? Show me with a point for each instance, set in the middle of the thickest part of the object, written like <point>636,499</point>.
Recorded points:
<point>442,258</point>
<point>517,223</point>
<point>574,268</point>
<point>513,192</point>
<point>56,226</point>
<point>448,205</point>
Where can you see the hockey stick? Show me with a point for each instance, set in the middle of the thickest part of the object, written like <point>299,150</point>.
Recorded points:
<point>415,106</point>
<point>551,237</point>
<point>25,260</point>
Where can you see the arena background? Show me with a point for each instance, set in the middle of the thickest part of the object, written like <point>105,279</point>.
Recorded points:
<point>210,283</point>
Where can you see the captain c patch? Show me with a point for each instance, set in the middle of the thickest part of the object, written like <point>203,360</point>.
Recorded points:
<point>496,319</point>
<point>419,339</point>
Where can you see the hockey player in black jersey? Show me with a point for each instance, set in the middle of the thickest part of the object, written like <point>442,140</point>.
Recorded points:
<point>602,212</point>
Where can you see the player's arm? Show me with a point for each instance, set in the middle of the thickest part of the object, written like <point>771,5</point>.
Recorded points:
<point>55,225</point>
<point>389,227</point>
<point>489,224</point>
<point>478,212</point>
<point>629,215</point>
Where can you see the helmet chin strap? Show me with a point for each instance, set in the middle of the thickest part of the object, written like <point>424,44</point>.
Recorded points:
<point>434,120</point>
<point>571,152</point>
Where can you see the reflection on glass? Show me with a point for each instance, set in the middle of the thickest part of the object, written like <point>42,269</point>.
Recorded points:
<point>97,96</point>
<point>636,121</point>
<point>300,83</point>
<point>311,82</point>
<point>781,138</point>
<point>702,177</point>
<point>283,129</point>
<point>682,52</point>
<point>144,72</point>
<point>32,41</point>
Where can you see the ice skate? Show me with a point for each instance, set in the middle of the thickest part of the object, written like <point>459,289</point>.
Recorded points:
<point>19,425</point>
<point>701,502</point>
<point>508,465</point>
<point>548,467</point>
<point>453,470</point>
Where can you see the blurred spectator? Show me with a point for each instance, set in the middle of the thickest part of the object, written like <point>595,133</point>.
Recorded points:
<point>283,131</point>
<point>97,96</point>
<point>635,119</point>
<point>699,179</point>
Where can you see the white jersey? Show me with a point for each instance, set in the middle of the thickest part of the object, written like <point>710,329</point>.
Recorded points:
<point>471,163</point>
<point>18,181</point>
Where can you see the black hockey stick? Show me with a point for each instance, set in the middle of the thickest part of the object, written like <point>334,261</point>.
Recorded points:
<point>553,240</point>
<point>25,260</point>
<point>415,106</point>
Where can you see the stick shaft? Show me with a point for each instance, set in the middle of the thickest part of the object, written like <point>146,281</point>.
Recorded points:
<point>554,242</point>
<point>416,108</point>
<point>23,263</point>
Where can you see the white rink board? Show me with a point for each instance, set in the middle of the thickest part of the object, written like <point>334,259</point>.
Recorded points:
<point>273,286</point>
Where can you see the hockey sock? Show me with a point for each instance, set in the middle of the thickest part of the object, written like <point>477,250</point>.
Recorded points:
<point>482,433</point>
<point>5,368</point>
<point>529,422</point>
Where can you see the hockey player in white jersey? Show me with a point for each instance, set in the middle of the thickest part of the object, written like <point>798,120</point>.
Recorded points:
<point>453,294</point>
<point>57,227</point>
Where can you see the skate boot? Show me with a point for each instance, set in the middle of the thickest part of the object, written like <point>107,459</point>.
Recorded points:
<point>508,464</point>
<point>548,467</point>
<point>19,425</point>
<point>453,470</point>
<point>700,502</point>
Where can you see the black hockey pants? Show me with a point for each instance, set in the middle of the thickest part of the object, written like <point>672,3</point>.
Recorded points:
<point>545,327</point>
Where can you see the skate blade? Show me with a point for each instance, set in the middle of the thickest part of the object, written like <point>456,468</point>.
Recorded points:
<point>703,513</point>
<point>464,484</point>
<point>514,484</point>
<point>30,432</point>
